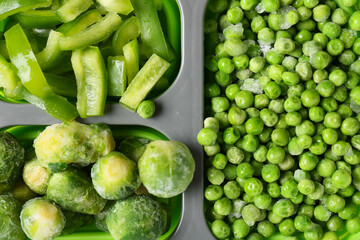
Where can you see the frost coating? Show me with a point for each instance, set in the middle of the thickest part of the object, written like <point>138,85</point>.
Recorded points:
<point>237,29</point>
<point>11,161</point>
<point>73,190</point>
<point>41,220</point>
<point>10,227</point>
<point>115,176</point>
<point>252,85</point>
<point>136,218</point>
<point>354,106</point>
<point>73,143</point>
<point>166,168</point>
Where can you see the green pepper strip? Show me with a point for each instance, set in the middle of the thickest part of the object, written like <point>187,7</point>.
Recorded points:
<point>73,8</point>
<point>8,77</point>
<point>23,58</point>
<point>80,23</point>
<point>3,50</point>
<point>132,59</point>
<point>62,85</point>
<point>3,24</point>
<point>92,81</point>
<point>158,4</point>
<point>63,67</point>
<point>11,7</point>
<point>148,17</point>
<point>144,81</point>
<point>38,19</point>
<point>56,106</point>
<point>119,6</point>
<point>129,30</point>
<point>92,35</point>
<point>117,76</point>
<point>51,55</point>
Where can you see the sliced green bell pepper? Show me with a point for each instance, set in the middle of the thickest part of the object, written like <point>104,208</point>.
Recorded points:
<point>56,106</point>
<point>119,6</point>
<point>144,81</point>
<point>38,18</point>
<point>3,50</point>
<point>148,17</point>
<point>83,21</point>
<point>158,4</point>
<point>62,85</point>
<point>117,76</point>
<point>28,69</point>
<point>11,7</point>
<point>132,59</point>
<point>51,55</point>
<point>8,77</point>
<point>3,24</point>
<point>63,67</point>
<point>73,8</point>
<point>92,81</point>
<point>93,34</point>
<point>129,30</point>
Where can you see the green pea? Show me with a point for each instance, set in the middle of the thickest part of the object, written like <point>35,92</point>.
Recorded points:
<point>335,223</point>
<point>207,137</point>
<point>220,229</point>
<point>350,126</point>
<point>341,179</point>
<point>244,99</point>
<point>253,187</point>
<point>245,170</point>
<point>273,189</point>
<point>320,60</point>
<point>275,155</point>
<point>213,192</point>
<point>215,176</point>
<point>289,189</point>
<point>263,201</point>
<point>236,116</point>
<point>270,173</point>
<point>232,190</point>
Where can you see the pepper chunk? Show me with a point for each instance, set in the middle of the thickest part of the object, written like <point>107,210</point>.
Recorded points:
<point>117,76</point>
<point>24,60</point>
<point>132,59</point>
<point>120,6</point>
<point>8,8</point>
<point>129,30</point>
<point>144,81</point>
<point>38,19</point>
<point>93,34</point>
<point>73,8</point>
<point>51,55</point>
<point>148,17</point>
<point>92,81</point>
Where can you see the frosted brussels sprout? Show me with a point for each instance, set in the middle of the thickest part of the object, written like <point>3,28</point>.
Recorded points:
<point>166,168</point>
<point>115,176</point>
<point>10,227</point>
<point>73,143</point>
<point>36,176</point>
<point>100,218</point>
<point>136,218</point>
<point>22,192</point>
<point>133,147</point>
<point>74,221</point>
<point>41,219</point>
<point>73,190</point>
<point>11,161</point>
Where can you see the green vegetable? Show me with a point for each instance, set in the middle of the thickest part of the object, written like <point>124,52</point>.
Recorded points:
<point>10,221</point>
<point>11,7</point>
<point>73,143</point>
<point>115,176</point>
<point>40,219</point>
<point>128,30</point>
<point>144,80</point>
<point>72,8</point>
<point>166,168</point>
<point>38,18</point>
<point>146,109</point>
<point>92,81</point>
<point>11,161</point>
<point>117,76</point>
<point>132,147</point>
<point>74,221</point>
<point>72,190</point>
<point>147,216</point>
<point>131,54</point>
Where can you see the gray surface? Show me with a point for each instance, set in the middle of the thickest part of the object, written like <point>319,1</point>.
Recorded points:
<point>180,116</point>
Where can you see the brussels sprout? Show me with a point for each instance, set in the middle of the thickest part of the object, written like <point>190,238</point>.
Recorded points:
<point>133,147</point>
<point>41,220</point>
<point>115,176</point>
<point>11,161</point>
<point>36,176</point>
<point>73,190</point>
<point>100,218</point>
<point>166,168</point>
<point>74,221</point>
<point>73,143</point>
<point>10,227</point>
<point>136,218</point>
<point>22,192</point>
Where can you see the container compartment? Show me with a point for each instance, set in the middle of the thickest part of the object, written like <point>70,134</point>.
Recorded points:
<point>25,134</point>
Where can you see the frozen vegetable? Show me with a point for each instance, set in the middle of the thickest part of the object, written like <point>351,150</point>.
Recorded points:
<point>133,147</point>
<point>136,218</point>
<point>41,219</point>
<point>11,161</point>
<point>281,128</point>
<point>74,221</point>
<point>10,218</point>
<point>73,190</point>
<point>115,176</point>
<point>73,143</point>
<point>166,168</point>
